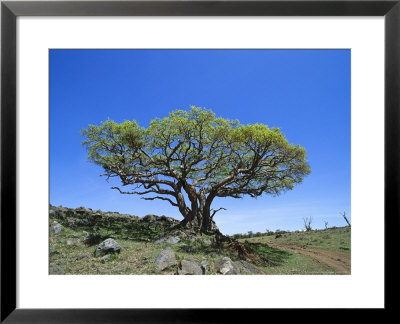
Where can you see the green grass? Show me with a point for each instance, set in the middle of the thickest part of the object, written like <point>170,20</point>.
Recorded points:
<point>297,264</point>
<point>137,255</point>
<point>333,239</point>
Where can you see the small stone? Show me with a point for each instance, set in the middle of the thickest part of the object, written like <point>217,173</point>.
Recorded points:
<point>56,228</point>
<point>106,258</point>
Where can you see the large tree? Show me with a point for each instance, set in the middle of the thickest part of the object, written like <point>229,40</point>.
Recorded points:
<point>191,157</point>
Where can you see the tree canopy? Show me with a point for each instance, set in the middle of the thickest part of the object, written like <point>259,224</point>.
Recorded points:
<point>197,154</point>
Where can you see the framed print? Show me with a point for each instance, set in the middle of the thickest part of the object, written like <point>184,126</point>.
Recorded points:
<point>159,147</point>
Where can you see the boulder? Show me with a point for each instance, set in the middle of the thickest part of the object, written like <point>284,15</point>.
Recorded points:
<point>168,239</point>
<point>204,265</point>
<point>106,247</point>
<point>165,259</point>
<point>56,228</point>
<point>189,267</point>
<point>246,267</point>
<point>225,266</point>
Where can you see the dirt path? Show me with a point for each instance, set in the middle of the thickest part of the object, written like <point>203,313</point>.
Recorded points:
<point>339,261</point>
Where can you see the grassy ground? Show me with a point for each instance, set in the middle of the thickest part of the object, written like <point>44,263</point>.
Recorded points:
<point>333,239</point>
<point>69,253</point>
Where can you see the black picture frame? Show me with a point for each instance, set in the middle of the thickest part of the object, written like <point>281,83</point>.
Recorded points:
<point>10,10</point>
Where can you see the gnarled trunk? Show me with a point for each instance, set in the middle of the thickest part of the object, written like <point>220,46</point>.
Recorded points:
<point>200,220</point>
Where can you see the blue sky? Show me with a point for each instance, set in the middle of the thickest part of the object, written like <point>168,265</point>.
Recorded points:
<point>306,93</point>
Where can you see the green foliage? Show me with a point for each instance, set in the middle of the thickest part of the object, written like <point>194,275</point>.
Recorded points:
<point>198,152</point>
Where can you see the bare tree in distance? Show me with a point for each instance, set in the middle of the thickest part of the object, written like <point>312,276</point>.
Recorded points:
<point>345,218</point>
<point>326,225</point>
<point>307,223</point>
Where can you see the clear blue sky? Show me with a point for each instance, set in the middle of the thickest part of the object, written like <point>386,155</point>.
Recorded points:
<point>306,93</point>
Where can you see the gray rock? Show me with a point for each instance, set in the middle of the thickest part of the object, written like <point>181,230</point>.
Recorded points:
<point>165,259</point>
<point>56,228</point>
<point>204,241</point>
<point>107,246</point>
<point>69,242</point>
<point>168,239</point>
<point>189,267</point>
<point>204,265</point>
<point>247,267</point>
<point>225,266</point>
<point>106,258</point>
<point>72,223</point>
<point>56,270</point>
<point>80,257</point>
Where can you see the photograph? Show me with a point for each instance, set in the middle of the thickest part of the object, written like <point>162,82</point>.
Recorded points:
<point>199,161</point>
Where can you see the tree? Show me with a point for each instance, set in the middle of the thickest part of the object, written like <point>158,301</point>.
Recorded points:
<point>307,223</point>
<point>198,155</point>
<point>345,218</point>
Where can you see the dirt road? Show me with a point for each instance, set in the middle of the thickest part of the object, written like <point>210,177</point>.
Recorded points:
<point>339,261</point>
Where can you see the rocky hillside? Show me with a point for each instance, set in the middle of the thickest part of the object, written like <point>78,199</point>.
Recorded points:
<point>86,241</point>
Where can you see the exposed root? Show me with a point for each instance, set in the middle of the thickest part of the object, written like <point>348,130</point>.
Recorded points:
<point>244,252</point>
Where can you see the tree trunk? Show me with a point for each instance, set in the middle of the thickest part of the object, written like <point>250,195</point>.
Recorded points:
<point>200,221</point>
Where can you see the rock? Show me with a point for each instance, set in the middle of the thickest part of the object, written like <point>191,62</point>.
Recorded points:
<point>204,265</point>
<point>150,218</point>
<point>169,239</point>
<point>80,257</point>
<point>189,267</point>
<point>72,223</point>
<point>56,270</point>
<point>247,267</point>
<point>165,259</point>
<point>84,222</point>
<point>56,228</point>
<point>69,242</point>
<point>187,248</point>
<point>107,246</point>
<point>225,266</point>
<point>106,258</point>
<point>204,241</point>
